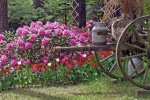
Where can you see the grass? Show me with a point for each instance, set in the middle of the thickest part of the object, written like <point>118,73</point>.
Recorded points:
<point>100,89</point>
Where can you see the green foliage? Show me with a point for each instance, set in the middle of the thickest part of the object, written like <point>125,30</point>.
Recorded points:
<point>146,7</point>
<point>94,9</point>
<point>99,89</point>
<point>22,13</point>
<point>1,86</point>
<point>57,9</point>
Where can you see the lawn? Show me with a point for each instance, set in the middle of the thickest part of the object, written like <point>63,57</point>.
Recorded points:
<point>100,89</point>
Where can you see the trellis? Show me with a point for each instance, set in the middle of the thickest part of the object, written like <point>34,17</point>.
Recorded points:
<point>110,10</point>
<point>74,14</point>
<point>129,9</point>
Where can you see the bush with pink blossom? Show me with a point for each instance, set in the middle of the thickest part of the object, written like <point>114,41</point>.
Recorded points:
<point>31,48</point>
<point>38,39</point>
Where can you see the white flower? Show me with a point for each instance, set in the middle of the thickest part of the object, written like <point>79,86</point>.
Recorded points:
<point>49,64</point>
<point>57,59</point>
<point>84,55</point>
<point>19,62</point>
<point>11,70</point>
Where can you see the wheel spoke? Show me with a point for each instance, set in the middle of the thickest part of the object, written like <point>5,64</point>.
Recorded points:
<point>129,57</point>
<point>134,46</point>
<point>113,67</point>
<point>137,67</point>
<point>139,37</point>
<point>107,57</point>
<point>145,74</point>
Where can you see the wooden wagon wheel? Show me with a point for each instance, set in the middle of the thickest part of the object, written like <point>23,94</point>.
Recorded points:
<point>135,43</point>
<point>109,64</point>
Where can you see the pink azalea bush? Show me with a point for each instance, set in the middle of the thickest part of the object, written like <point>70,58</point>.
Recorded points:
<point>38,39</point>
<point>33,46</point>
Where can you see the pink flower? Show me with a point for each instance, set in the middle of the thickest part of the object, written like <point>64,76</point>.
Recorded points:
<point>72,42</point>
<point>33,24</point>
<point>28,45</point>
<point>73,33</point>
<point>79,53</point>
<point>2,42</point>
<point>66,32</point>
<point>37,27</point>
<point>41,31</point>
<point>10,46</point>
<point>48,32</point>
<point>4,52</point>
<point>70,55</point>
<point>19,31</point>
<point>48,25</point>
<point>56,25</point>
<point>75,28</point>
<point>1,67</point>
<point>2,37</point>
<point>66,58</point>
<point>33,30</point>
<point>80,37</point>
<point>3,59</point>
<point>89,23</point>
<point>62,61</point>
<point>51,51</point>
<point>45,59</point>
<point>45,41</point>
<point>64,27</point>
<point>14,62</point>
<point>39,23</point>
<point>26,27</point>
<point>27,62</point>
<point>13,56</point>
<point>25,32</point>
<point>58,31</point>
<point>32,37</point>
<point>20,43</point>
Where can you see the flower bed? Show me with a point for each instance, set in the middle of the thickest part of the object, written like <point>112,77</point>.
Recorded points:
<point>27,58</point>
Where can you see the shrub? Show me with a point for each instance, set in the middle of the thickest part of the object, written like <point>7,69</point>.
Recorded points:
<point>28,58</point>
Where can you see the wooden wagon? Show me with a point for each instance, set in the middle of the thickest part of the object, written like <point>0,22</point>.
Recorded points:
<point>130,42</point>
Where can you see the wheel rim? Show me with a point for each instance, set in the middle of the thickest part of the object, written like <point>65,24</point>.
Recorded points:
<point>135,41</point>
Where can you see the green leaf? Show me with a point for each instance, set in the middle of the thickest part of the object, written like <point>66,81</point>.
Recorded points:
<point>1,86</point>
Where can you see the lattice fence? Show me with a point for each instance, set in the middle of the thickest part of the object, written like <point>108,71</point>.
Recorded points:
<point>74,14</point>
<point>111,10</point>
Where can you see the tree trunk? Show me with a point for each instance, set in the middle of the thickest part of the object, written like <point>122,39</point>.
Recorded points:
<point>81,10</point>
<point>3,16</point>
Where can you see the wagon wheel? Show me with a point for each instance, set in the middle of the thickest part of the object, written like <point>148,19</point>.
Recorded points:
<point>135,42</point>
<point>108,65</point>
